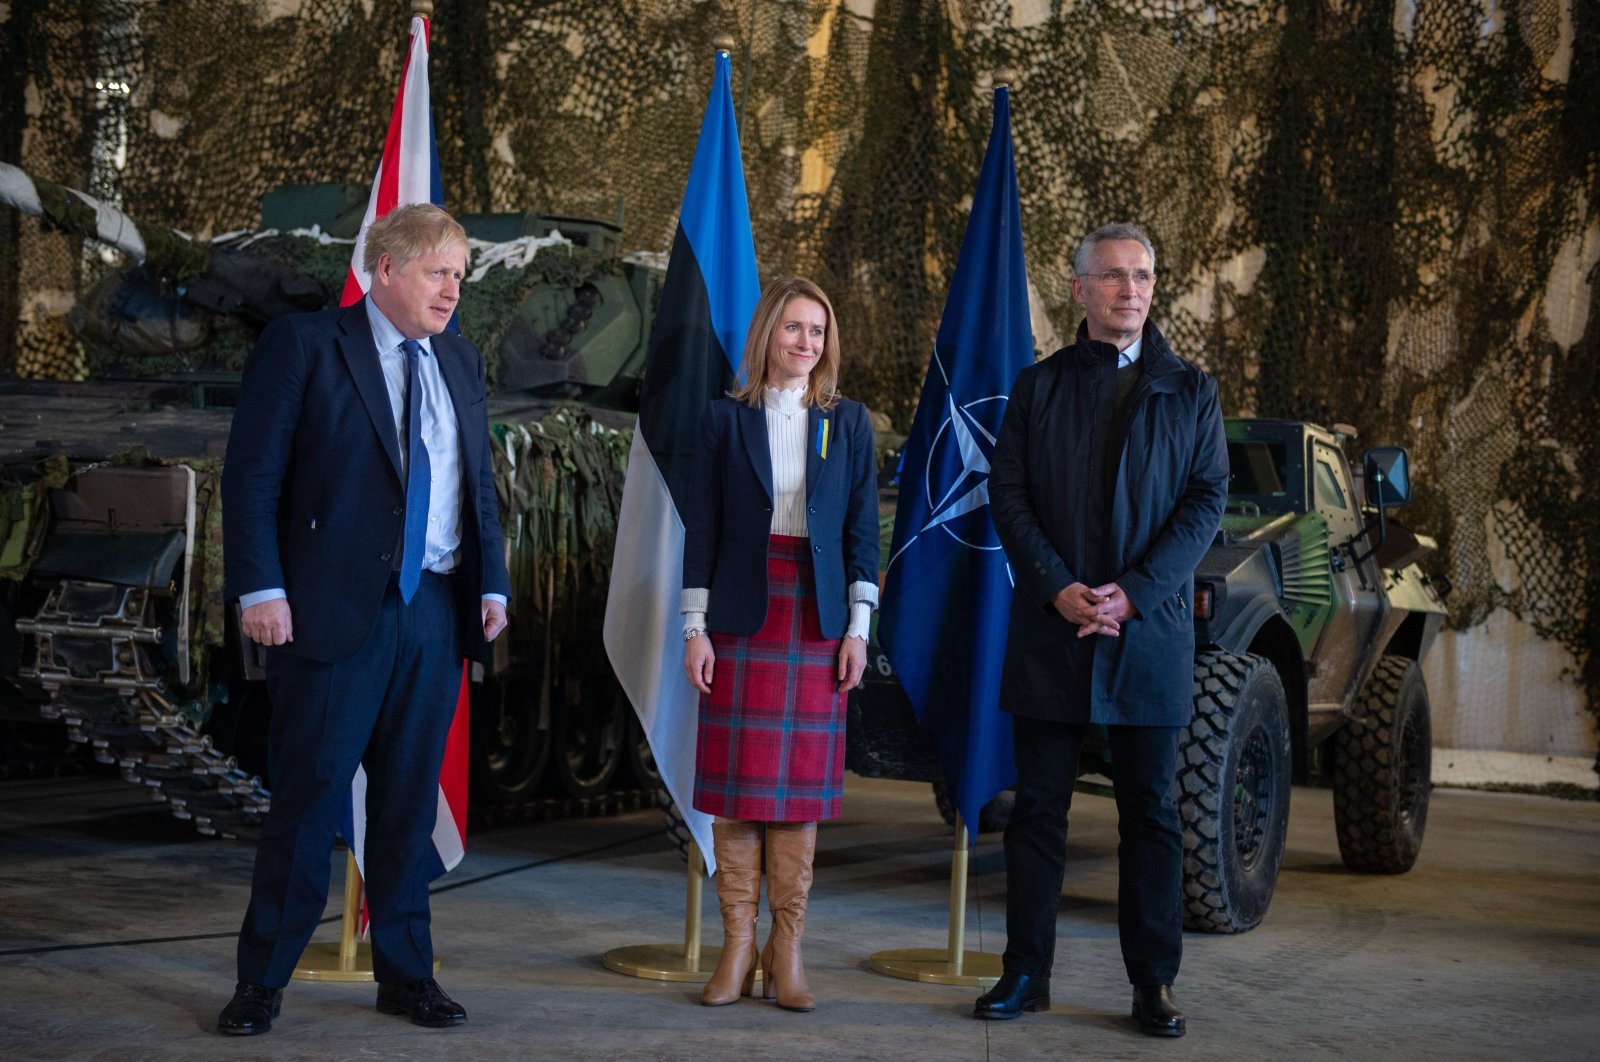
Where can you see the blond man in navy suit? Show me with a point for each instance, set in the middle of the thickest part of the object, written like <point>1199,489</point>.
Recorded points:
<point>362,537</point>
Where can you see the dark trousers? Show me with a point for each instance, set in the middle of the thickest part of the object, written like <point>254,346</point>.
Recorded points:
<point>1149,855</point>
<point>388,708</point>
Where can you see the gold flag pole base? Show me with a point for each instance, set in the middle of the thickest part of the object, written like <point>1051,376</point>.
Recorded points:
<point>976,969</point>
<point>951,965</point>
<point>687,961</point>
<point>662,962</point>
<point>348,959</point>
<point>322,961</point>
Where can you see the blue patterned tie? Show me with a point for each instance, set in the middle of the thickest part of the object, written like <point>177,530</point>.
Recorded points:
<point>418,473</point>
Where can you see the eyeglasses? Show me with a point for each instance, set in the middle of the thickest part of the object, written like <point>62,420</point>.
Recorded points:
<point>1116,278</point>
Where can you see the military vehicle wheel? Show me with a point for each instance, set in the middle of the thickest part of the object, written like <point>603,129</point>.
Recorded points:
<point>1234,774</point>
<point>993,816</point>
<point>1382,763</point>
<point>510,750</point>
<point>590,733</point>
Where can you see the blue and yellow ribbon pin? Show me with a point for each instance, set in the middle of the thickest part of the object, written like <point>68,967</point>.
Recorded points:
<point>822,438</point>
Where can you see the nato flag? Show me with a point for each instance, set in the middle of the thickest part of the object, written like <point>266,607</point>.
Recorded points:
<point>695,344</point>
<point>947,592</point>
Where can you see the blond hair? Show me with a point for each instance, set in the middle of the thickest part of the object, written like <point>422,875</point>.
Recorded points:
<point>822,386</point>
<point>408,231</point>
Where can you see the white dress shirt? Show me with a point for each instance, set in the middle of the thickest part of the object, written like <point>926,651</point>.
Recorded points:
<point>1130,354</point>
<point>440,434</point>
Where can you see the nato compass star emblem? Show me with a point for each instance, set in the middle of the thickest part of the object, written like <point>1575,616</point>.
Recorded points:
<point>965,429</point>
<point>959,507</point>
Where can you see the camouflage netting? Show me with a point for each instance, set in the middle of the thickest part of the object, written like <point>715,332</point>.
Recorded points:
<point>1382,213</point>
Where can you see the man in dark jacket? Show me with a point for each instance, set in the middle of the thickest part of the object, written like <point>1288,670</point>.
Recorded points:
<point>363,542</point>
<point>1110,478</point>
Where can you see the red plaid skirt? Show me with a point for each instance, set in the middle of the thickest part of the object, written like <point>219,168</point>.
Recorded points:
<point>771,741</point>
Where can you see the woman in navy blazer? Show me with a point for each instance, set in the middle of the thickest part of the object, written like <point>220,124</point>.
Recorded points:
<point>780,575</point>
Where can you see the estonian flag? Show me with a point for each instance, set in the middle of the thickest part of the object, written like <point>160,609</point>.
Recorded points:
<point>408,172</point>
<point>706,303</point>
<point>947,591</point>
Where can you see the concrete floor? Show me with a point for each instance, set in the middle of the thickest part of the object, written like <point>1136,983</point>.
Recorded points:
<point>117,924</point>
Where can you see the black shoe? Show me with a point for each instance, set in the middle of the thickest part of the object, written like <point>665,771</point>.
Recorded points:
<point>251,1010</point>
<point>1013,994</point>
<point>423,1001</point>
<point>1155,1012</point>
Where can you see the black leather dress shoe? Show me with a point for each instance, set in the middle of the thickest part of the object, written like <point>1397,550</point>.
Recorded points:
<point>424,1002</point>
<point>251,1010</point>
<point>1013,994</point>
<point>1155,1012</point>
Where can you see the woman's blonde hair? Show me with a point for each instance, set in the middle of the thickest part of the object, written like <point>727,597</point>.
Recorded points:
<point>822,386</point>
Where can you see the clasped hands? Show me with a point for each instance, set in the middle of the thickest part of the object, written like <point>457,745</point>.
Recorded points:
<point>1095,609</point>
<point>700,660</point>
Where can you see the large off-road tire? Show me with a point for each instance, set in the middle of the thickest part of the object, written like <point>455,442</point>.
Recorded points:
<point>1234,779</point>
<point>1382,763</point>
<point>992,818</point>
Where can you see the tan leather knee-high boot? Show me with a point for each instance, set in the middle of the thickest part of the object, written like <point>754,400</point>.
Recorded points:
<point>790,849</point>
<point>737,846</point>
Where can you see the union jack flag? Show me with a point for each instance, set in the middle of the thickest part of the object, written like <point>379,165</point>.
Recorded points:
<point>408,172</point>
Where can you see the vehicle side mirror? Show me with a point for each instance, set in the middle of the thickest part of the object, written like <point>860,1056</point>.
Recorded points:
<point>1387,476</point>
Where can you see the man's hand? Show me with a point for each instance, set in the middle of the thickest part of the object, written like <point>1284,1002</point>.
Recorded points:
<point>268,622</point>
<point>699,661</point>
<point>1113,609</point>
<point>1078,605</point>
<point>494,619</point>
<point>1114,603</point>
<point>852,662</point>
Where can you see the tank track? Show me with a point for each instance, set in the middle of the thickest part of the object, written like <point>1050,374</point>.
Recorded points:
<point>93,658</point>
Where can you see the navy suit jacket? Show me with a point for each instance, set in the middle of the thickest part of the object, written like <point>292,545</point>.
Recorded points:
<point>313,499</point>
<point>730,519</point>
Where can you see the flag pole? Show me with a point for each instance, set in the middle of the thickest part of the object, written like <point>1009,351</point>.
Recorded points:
<point>952,964</point>
<point>692,904</point>
<point>986,319</point>
<point>958,897</point>
<point>350,959</point>
<point>688,961</point>
<point>710,290</point>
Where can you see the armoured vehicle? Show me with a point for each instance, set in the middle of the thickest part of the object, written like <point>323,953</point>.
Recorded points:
<point>111,620</point>
<point>1312,619</point>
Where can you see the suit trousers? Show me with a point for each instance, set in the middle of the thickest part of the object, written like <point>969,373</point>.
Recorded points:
<point>389,708</point>
<point>1149,855</point>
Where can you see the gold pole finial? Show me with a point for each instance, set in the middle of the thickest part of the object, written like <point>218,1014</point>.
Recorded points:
<point>422,7</point>
<point>723,42</point>
<point>1005,75</point>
